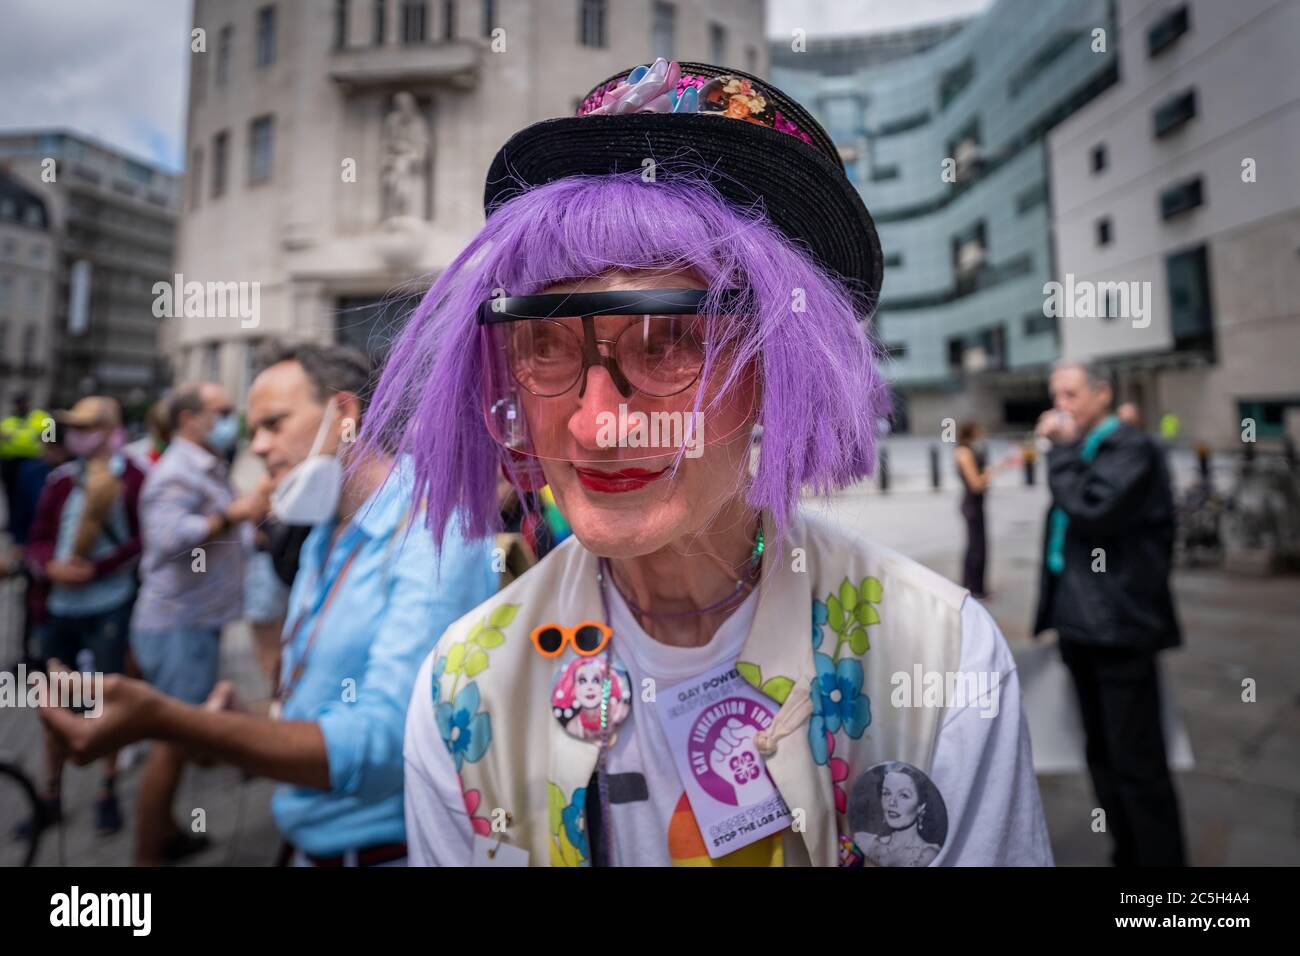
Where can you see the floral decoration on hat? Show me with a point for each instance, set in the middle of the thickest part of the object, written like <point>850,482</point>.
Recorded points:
<point>662,88</point>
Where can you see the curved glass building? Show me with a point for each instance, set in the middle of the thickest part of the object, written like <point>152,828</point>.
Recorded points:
<point>943,131</point>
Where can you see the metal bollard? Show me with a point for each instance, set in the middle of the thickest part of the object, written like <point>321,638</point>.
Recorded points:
<point>1029,458</point>
<point>934,467</point>
<point>882,470</point>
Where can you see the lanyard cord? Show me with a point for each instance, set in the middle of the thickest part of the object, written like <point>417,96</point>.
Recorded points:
<point>287,687</point>
<point>602,784</point>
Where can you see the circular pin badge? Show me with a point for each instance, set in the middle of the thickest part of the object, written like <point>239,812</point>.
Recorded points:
<point>897,816</point>
<point>576,696</point>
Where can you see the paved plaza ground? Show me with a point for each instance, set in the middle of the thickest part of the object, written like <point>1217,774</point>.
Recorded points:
<point>1240,799</point>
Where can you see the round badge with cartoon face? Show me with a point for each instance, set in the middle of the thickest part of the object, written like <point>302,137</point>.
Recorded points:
<point>575,699</point>
<point>897,816</point>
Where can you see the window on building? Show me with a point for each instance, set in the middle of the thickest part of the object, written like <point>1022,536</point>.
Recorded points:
<point>340,24</point>
<point>954,81</point>
<point>969,256</point>
<point>413,21</point>
<point>1099,157</point>
<point>5,285</point>
<point>1180,198</point>
<point>4,334</point>
<point>266,36</point>
<point>1035,323</point>
<point>751,59</point>
<point>379,22</point>
<point>449,19</point>
<point>1167,30</point>
<point>225,40</point>
<point>196,177</point>
<point>896,350</point>
<point>212,362</point>
<point>220,144</point>
<point>1110,304</point>
<point>1031,198</point>
<point>35,296</point>
<point>880,174</point>
<point>489,17</point>
<point>369,324</point>
<point>1174,113</point>
<point>903,124</point>
<point>663,30</point>
<point>964,148</point>
<point>261,149</point>
<point>717,43</point>
<point>1103,231</point>
<point>591,22</point>
<point>1049,53</point>
<point>893,260</point>
<point>30,332</point>
<point>1191,311</point>
<point>1268,414</point>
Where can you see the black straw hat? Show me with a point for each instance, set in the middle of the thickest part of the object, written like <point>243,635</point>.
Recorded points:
<point>771,151</point>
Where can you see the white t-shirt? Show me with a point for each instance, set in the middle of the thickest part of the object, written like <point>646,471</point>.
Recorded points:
<point>982,765</point>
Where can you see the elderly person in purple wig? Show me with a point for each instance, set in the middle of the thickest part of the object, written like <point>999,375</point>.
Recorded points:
<point>701,675</point>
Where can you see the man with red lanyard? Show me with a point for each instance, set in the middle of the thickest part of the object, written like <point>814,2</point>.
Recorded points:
<point>368,604</point>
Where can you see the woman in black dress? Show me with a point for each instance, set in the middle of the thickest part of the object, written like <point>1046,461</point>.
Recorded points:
<point>976,477</point>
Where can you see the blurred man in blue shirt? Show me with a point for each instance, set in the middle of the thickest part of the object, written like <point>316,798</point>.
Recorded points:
<point>369,602</point>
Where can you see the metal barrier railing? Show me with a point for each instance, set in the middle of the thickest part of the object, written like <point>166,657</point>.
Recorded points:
<point>13,620</point>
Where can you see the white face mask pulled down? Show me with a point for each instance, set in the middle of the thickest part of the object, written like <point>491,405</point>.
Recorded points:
<point>309,493</point>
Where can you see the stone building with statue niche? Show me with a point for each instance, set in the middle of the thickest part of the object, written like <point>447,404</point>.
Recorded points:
<point>335,149</point>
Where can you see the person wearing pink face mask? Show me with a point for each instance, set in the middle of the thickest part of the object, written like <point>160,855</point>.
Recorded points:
<point>85,543</point>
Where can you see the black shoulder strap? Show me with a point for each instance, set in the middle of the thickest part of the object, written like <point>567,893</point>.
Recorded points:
<point>595,823</point>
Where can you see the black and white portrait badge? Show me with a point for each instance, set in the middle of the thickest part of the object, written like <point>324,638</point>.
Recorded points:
<point>897,816</point>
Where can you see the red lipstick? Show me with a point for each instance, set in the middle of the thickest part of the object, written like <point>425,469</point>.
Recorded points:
<point>613,482</point>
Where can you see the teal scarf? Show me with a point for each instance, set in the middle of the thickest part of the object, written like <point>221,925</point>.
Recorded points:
<point>1058,519</point>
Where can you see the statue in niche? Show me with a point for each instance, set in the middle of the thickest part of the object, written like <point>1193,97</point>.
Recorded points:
<point>406,149</point>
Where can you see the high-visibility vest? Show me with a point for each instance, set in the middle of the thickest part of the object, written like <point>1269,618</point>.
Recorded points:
<point>21,437</point>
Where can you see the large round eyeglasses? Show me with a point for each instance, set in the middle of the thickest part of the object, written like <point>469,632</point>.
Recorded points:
<point>550,340</point>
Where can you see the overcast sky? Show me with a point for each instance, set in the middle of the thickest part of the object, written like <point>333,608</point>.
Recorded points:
<point>115,69</point>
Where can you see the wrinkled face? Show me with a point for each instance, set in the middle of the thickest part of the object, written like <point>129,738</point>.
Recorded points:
<point>284,415</point>
<point>624,508</point>
<point>1086,404</point>
<point>587,685</point>
<point>899,800</point>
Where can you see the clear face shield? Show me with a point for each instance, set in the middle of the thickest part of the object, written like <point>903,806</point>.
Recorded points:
<point>606,377</point>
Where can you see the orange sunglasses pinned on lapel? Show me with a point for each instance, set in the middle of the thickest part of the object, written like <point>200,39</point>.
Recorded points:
<point>587,639</point>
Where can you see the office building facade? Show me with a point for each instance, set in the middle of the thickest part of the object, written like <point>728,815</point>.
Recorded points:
<point>1181,183</point>
<point>114,219</point>
<point>336,150</point>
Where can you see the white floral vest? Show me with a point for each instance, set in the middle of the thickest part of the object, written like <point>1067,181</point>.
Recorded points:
<point>837,617</point>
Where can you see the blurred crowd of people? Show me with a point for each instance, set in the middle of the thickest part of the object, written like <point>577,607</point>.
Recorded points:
<point>139,554</point>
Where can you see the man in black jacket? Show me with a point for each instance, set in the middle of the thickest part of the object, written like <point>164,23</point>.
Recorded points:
<point>1105,590</point>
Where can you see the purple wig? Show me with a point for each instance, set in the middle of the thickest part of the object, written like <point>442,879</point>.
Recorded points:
<point>820,391</point>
